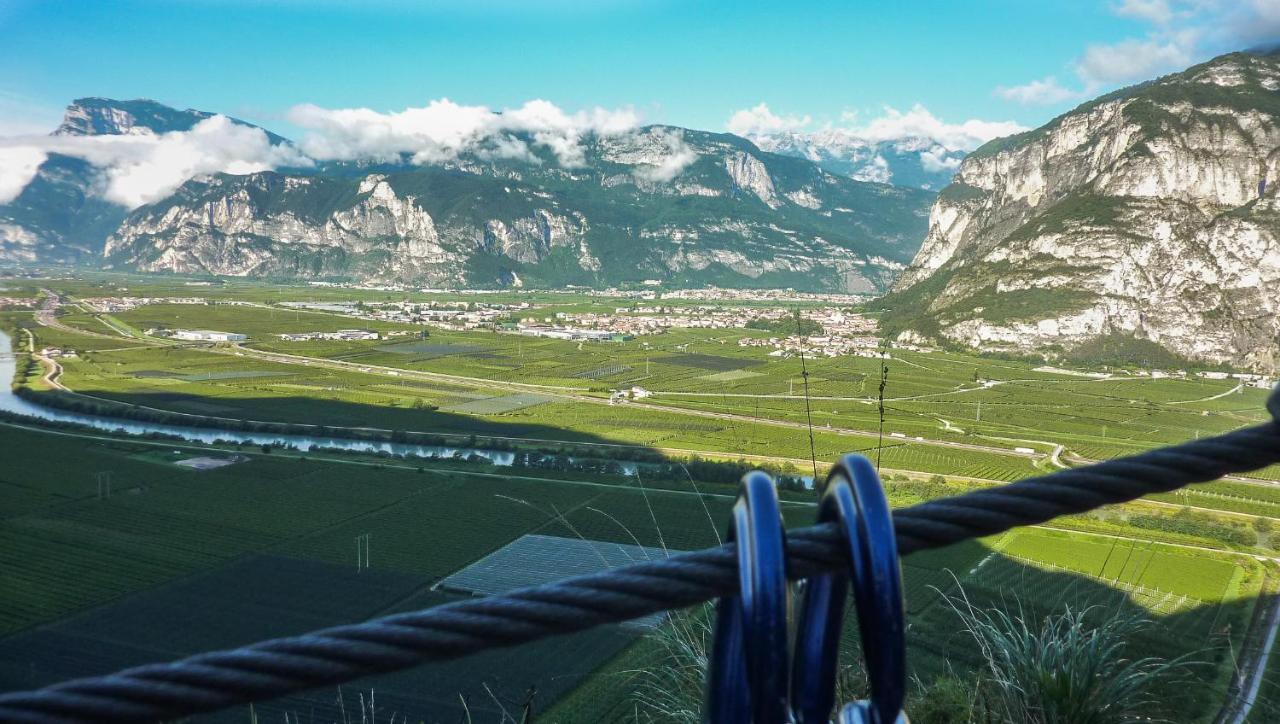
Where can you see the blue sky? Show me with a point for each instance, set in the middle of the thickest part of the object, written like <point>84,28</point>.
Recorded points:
<point>684,62</point>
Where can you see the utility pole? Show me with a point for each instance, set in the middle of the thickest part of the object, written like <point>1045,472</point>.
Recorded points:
<point>884,381</point>
<point>362,552</point>
<point>104,484</point>
<point>527,716</point>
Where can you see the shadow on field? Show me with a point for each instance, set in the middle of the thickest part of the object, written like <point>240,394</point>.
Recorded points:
<point>325,417</point>
<point>268,596</point>
<point>425,528</point>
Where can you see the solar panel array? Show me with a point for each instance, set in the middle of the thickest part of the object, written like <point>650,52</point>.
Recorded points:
<point>532,560</point>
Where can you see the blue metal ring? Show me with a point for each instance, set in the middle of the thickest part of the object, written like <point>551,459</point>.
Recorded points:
<point>855,499</point>
<point>747,681</point>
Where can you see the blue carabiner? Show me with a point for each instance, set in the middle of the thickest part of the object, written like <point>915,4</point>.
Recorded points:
<point>855,499</point>
<point>747,681</point>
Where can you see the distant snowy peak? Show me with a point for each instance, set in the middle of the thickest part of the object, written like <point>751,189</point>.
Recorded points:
<point>914,161</point>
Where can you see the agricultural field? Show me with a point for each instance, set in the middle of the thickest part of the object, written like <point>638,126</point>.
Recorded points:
<point>267,545</point>
<point>280,527</point>
<point>935,396</point>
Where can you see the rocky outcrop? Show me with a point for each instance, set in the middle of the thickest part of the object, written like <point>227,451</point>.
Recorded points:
<point>749,174</point>
<point>1149,213</point>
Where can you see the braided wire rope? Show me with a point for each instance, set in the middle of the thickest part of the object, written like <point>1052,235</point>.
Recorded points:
<point>269,669</point>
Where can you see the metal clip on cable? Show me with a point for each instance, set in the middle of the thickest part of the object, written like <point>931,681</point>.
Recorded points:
<point>855,499</point>
<point>747,681</point>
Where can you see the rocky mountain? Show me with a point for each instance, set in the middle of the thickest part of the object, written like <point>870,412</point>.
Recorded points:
<point>1147,218</point>
<point>918,162</point>
<point>109,117</point>
<point>660,202</point>
<point>60,215</point>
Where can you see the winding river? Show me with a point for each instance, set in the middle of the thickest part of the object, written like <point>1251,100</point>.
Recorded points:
<point>10,402</point>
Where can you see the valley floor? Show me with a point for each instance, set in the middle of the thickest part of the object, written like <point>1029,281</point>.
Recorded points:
<point>269,542</point>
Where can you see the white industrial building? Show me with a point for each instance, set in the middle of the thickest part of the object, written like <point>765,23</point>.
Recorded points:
<point>207,335</point>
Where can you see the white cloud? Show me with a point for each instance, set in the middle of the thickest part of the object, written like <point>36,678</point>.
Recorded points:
<point>1152,11</point>
<point>919,122</point>
<point>18,166</point>
<point>761,120</point>
<point>507,146</point>
<point>1180,33</point>
<point>443,129</point>
<point>140,168</point>
<point>876,170</point>
<point>935,160</point>
<point>1132,60</point>
<point>1038,92</point>
<point>1240,23</point>
<point>891,125</point>
<point>678,157</point>
<point>915,130</point>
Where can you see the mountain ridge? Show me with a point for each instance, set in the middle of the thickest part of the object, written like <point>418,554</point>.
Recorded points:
<point>1147,213</point>
<point>732,214</point>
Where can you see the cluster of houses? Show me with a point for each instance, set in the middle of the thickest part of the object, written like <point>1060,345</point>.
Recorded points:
<point>844,333</point>
<point>444,315</point>
<point>123,304</point>
<point>655,319</point>
<point>627,394</point>
<point>577,334</point>
<point>342,335</point>
<point>821,346</point>
<point>58,352</point>
<point>716,294</point>
<point>1252,380</point>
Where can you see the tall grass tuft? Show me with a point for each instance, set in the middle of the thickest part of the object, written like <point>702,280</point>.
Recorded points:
<point>1065,669</point>
<point>673,689</point>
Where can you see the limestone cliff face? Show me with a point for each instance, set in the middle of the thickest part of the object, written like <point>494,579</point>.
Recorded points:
<point>749,174</point>
<point>273,224</point>
<point>1150,213</point>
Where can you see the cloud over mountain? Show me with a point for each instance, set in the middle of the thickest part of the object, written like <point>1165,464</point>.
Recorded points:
<point>141,167</point>
<point>442,129</point>
<point>912,147</point>
<point>891,125</point>
<point>678,157</point>
<point>758,120</point>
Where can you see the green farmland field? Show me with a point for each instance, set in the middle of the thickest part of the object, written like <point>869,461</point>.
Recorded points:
<point>266,546</point>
